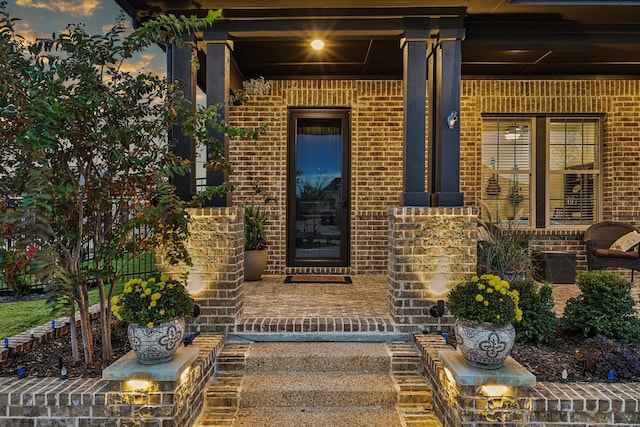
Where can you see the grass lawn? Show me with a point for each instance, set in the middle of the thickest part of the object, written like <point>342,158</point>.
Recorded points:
<point>17,317</point>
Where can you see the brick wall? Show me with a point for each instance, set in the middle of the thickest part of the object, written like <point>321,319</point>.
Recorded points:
<point>215,280</point>
<point>618,100</point>
<point>376,161</point>
<point>544,405</point>
<point>35,402</point>
<point>376,154</point>
<point>430,251</point>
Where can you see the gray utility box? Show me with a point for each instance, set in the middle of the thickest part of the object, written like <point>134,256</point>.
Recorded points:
<point>555,266</point>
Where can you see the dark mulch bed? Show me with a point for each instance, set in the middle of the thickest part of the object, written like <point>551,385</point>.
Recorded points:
<point>586,360</point>
<point>45,360</point>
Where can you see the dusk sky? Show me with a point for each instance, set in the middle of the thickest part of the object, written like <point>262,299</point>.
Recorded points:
<point>41,18</point>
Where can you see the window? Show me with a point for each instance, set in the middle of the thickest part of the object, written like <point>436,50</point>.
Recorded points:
<point>559,188</point>
<point>573,171</point>
<point>506,169</point>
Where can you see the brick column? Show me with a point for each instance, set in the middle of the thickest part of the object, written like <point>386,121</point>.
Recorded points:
<point>216,277</point>
<point>430,251</point>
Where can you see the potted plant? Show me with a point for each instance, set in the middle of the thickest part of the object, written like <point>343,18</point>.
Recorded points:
<point>502,250</point>
<point>485,308</point>
<point>255,235</point>
<point>255,242</point>
<point>155,309</point>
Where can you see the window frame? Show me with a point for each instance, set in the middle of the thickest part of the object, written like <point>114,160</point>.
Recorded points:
<point>539,212</point>
<point>596,172</point>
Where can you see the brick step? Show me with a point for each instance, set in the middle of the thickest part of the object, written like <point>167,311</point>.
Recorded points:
<point>318,384</point>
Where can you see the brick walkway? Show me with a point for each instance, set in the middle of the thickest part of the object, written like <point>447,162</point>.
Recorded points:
<point>271,305</point>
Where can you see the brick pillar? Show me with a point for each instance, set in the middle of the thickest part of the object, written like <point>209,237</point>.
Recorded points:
<point>430,251</point>
<point>215,280</point>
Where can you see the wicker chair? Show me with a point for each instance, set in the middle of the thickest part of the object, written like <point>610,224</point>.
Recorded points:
<point>599,237</point>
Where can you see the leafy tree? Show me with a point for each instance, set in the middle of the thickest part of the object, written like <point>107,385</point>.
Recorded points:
<point>84,156</point>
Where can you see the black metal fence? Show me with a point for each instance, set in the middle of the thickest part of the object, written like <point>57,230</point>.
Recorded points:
<point>130,265</point>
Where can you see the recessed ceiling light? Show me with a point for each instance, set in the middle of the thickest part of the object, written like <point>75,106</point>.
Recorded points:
<point>317,44</point>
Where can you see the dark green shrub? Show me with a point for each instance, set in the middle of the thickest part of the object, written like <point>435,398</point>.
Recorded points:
<point>538,318</point>
<point>21,285</point>
<point>605,307</point>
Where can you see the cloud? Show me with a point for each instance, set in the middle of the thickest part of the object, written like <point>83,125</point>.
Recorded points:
<point>147,63</point>
<point>73,7</point>
<point>30,34</point>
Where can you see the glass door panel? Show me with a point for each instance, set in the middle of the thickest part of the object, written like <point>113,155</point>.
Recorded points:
<point>318,198</point>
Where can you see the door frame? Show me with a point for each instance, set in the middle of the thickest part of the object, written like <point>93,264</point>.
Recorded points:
<point>344,114</point>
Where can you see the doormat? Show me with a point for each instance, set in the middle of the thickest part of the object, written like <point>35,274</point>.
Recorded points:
<point>346,280</point>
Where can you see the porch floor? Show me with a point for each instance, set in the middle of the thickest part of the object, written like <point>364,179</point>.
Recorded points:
<point>270,305</point>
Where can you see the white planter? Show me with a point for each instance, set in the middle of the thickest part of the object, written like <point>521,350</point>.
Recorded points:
<point>158,344</point>
<point>484,345</point>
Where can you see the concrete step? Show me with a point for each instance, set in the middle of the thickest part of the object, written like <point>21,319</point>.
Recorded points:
<point>315,417</point>
<point>317,390</point>
<point>318,384</point>
<point>318,357</point>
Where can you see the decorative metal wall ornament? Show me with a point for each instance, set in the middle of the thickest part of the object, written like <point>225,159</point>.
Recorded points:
<point>515,197</point>
<point>493,187</point>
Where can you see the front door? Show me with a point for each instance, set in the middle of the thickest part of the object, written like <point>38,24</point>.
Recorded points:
<point>318,183</point>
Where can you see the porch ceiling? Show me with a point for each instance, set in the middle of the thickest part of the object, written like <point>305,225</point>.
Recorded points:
<point>521,38</point>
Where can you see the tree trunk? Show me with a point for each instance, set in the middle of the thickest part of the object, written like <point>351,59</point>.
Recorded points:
<point>74,335</point>
<point>105,323</point>
<point>85,325</point>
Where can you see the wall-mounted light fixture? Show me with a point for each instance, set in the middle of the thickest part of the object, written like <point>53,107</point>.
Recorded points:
<point>452,118</point>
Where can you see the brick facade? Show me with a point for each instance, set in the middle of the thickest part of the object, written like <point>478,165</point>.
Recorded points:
<point>376,152</point>
<point>376,161</point>
<point>215,280</point>
<point>430,251</point>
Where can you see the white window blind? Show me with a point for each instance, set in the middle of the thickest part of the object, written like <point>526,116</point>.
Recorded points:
<point>506,169</point>
<point>573,170</point>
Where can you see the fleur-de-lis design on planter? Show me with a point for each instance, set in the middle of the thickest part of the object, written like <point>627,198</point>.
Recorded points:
<point>171,339</point>
<point>492,346</point>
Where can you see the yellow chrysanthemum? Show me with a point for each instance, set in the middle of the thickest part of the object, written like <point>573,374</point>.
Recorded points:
<point>518,314</point>
<point>479,298</point>
<point>150,325</point>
